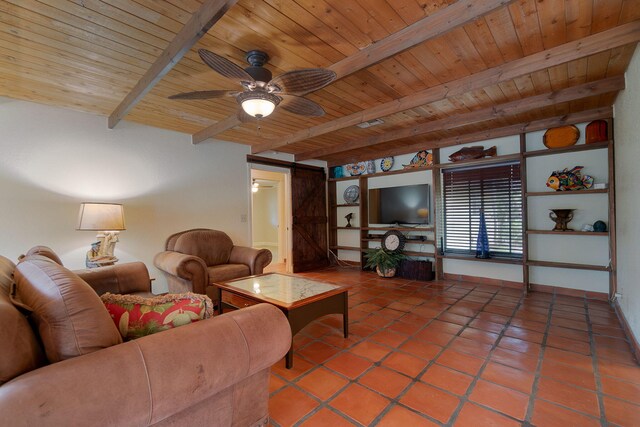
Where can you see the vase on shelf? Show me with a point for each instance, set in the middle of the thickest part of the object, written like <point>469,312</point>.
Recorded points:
<point>561,217</point>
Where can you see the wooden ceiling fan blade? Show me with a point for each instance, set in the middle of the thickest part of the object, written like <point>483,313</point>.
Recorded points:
<point>204,94</point>
<point>225,67</point>
<point>299,82</point>
<point>301,106</point>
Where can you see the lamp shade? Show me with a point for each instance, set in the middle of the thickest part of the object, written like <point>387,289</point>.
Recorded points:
<point>258,107</point>
<point>258,102</point>
<point>101,217</point>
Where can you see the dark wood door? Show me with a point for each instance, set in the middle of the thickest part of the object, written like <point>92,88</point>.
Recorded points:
<point>309,229</point>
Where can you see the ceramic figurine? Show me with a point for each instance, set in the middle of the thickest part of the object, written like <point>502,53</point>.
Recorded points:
<point>477,152</point>
<point>569,180</point>
<point>338,172</point>
<point>349,217</point>
<point>421,159</point>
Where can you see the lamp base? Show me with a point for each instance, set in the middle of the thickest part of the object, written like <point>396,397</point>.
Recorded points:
<point>101,252</point>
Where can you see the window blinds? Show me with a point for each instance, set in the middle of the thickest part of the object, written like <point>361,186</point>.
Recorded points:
<point>495,189</point>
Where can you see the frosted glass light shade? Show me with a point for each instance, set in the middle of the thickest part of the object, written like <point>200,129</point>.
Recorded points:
<point>258,107</point>
<point>101,217</point>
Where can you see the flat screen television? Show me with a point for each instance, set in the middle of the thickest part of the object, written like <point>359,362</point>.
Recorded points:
<point>407,204</point>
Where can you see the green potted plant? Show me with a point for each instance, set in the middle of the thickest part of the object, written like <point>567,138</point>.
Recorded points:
<point>385,262</point>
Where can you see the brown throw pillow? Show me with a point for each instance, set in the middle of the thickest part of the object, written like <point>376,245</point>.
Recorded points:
<point>69,315</point>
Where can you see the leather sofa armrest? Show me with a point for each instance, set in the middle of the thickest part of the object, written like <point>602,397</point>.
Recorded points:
<point>256,259</point>
<point>186,267</point>
<point>145,381</point>
<point>118,279</point>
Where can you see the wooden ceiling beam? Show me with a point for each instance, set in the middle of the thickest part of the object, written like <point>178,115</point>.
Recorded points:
<point>569,119</point>
<point>596,43</point>
<point>432,26</point>
<point>611,84</point>
<point>200,22</point>
<point>221,126</point>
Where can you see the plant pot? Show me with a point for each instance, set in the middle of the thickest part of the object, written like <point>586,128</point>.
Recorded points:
<point>387,273</point>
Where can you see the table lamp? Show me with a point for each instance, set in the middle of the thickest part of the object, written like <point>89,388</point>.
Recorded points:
<point>108,220</point>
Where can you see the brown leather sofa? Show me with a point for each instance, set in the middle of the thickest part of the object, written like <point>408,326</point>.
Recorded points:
<point>194,260</point>
<point>213,372</point>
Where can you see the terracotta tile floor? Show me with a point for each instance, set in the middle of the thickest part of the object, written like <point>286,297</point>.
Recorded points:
<point>457,353</point>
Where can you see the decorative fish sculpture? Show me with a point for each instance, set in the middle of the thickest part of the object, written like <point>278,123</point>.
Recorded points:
<point>477,152</point>
<point>569,180</point>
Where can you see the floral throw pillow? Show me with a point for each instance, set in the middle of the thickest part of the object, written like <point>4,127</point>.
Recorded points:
<point>136,316</point>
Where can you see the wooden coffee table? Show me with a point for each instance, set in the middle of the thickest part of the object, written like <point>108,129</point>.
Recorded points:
<point>302,300</point>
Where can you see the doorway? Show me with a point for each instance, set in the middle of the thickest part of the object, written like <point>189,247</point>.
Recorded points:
<point>269,212</point>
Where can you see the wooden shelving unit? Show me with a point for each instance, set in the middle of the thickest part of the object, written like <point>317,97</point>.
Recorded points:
<point>484,161</point>
<point>365,229</point>
<point>567,193</point>
<point>610,192</point>
<point>490,260</point>
<point>523,155</point>
<point>568,265</point>
<point>569,233</point>
<point>571,149</point>
<point>403,229</point>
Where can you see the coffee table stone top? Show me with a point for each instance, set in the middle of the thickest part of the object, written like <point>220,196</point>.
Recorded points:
<point>287,289</point>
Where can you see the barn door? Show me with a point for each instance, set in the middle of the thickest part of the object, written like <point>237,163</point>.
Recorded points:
<point>309,228</point>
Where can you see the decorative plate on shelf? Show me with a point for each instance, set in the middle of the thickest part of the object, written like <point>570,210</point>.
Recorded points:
<point>356,169</point>
<point>563,136</point>
<point>351,194</point>
<point>386,164</point>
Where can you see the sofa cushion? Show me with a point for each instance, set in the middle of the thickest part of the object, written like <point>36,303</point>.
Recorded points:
<point>221,273</point>
<point>19,348</point>
<point>136,317</point>
<point>212,246</point>
<point>68,314</point>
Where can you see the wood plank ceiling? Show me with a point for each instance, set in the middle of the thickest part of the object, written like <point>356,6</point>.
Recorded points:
<point>527,64</point>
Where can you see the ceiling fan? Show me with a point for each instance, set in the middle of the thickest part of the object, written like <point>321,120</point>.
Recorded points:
<point>262,93</point>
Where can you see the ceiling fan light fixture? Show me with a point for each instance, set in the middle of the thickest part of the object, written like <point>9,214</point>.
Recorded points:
<point>258,103</point>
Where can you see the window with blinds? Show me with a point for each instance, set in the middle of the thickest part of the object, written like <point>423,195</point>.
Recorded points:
<point>497,191</point>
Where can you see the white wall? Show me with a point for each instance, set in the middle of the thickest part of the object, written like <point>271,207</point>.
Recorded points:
<point>627,146</point>
<point>53,159</point>
<point>265,216</point>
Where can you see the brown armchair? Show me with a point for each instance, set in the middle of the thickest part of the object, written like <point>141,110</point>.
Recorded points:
<point>194,260</point>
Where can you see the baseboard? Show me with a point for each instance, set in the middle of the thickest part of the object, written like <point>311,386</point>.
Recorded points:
<point>557,290</point>
<point>578,293</point>
<point>343,261</point>
<point>635,346</point>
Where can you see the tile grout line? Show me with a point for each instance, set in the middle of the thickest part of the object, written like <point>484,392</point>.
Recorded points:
<point>543,349</point>
<point>465,398</point>
<point>458,294</point>
<point>430,363</point>
<point>596,368</point>
<point>325,403</point>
